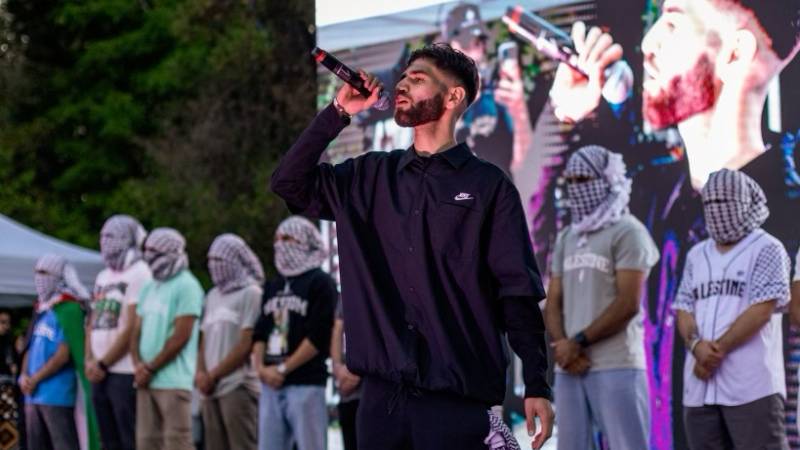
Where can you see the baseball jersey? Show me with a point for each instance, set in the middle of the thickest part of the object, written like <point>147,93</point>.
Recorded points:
<point>717,288</point>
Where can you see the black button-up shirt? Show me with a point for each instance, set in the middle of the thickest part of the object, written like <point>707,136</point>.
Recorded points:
<point>435,262</point>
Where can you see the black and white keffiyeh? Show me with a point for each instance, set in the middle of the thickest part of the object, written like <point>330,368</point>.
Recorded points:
<point>165,253</point>
<point>603,199</point>
<point>500,436</point>
<point>734,205</point>
<point>55,277</point>
<point>298,247</point>
<point>121,240</point>
<point>232,264</point>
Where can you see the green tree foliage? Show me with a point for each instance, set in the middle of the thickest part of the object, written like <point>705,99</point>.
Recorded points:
<point>174,111</point>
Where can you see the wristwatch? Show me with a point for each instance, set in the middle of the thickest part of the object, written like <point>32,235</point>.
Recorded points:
<point>281,368</point>
<point>581,339</point>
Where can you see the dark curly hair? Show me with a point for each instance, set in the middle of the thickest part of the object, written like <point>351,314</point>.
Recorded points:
<point>452,62</point>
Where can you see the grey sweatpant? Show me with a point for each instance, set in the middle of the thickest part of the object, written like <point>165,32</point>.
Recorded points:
<point>755,425</point>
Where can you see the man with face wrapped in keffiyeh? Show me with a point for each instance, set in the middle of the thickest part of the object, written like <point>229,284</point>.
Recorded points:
<point>292,341</point>
<point>113,311</point>
<point>599,266</point>
<point>224,374</point>
<point>734,286</point>
<point>53,364</point>
<point>164,344</point>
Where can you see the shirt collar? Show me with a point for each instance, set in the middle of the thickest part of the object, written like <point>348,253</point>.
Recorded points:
<point>457,156</point>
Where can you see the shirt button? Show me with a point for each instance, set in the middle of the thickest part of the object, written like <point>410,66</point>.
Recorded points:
<point>416,212</point>
<point>411,289</point>
<point>410,327</point>
<point>410,249</point>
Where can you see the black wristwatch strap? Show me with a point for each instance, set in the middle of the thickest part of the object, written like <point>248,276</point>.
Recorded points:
<point>581,339</point>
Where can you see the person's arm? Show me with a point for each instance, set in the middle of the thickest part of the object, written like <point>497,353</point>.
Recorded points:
<point>24,371</point>
<point>624,307</point>
<point>746,325</point>
<point>183,326</point>
<point>87,342</point>
<point>257,355</point>
<point>202,380</point>
<point>794,306</point>
<point>235,358</point>
<point>575,95</point>
<point>250,313</point>
<point>510,92</point>
<point>269,375</point>
<point>303,354</point>
<point>134,339</point>
<point>201,359</point>
<point>707,354</point>
<point>687,328</point>
<point>519,289</point>
<point>769,289</point>
<point>337,341</point>
<point>316,189</point>
<point>634,253</point>
<point>121,344</point>
<point>319,324</point>
<point>553,309</point>
<point>53,365</point>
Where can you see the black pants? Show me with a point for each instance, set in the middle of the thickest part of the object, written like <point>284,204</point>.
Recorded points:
<point>114,401</point>
<point>395,417</point>
<point>347,419</point>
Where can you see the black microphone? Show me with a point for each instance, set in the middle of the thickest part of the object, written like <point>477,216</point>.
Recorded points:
<point>558,45</point>
<point>350,77</point>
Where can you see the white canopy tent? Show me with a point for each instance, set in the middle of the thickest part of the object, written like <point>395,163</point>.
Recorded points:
<point>21,246</point>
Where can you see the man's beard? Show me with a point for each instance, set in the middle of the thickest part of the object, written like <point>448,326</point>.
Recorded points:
<point>688,94</point>
<point>422,112</point>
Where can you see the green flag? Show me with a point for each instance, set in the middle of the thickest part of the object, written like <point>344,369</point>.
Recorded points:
<point>71,319</point>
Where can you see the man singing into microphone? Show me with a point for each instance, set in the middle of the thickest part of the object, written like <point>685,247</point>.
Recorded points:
<point>436,265</point>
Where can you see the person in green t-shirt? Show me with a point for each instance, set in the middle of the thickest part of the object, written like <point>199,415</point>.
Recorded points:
<point>164,344</point>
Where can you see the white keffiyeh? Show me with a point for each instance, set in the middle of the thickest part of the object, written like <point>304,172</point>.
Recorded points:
<point>603,199</point>
<point>298,247</point>
<point>165,253</point>
<point>232,264</point>
<point>54,277</point>
<point>121,240</point>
